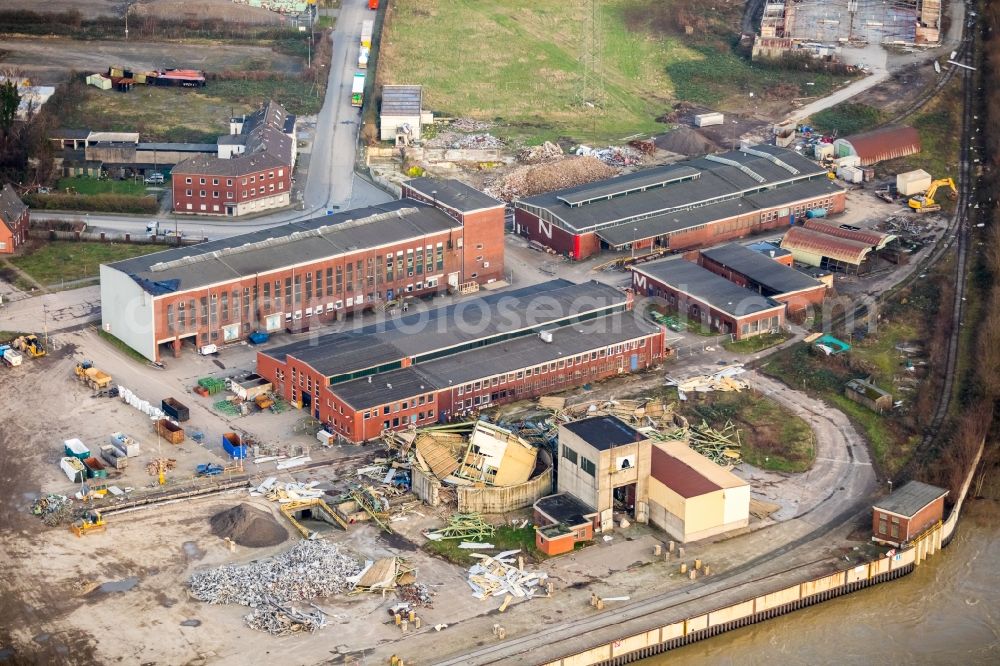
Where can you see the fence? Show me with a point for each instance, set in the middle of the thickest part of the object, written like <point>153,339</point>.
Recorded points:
<point>104,237</point>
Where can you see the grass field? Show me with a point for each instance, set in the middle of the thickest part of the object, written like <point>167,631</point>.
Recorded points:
<point>88,185</point>
<point>756,343</point>
<point>773,437</point>
<point>56,261</point>
<point>522,64</point>
<point>506,537</point>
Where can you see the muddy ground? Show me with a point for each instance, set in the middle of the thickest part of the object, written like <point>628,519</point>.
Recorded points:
<point>49,61</point>
<point>175,9</point>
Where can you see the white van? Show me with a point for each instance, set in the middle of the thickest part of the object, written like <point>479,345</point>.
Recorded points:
<point>208,350</point>
<point>154,179</point>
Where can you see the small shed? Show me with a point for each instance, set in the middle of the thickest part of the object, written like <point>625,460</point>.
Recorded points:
<point>907,513</point>
<point>562,521</point>
<point>912,182</point>
<point>865,393</point>
<point>400,116</point>
<point>99,81</point>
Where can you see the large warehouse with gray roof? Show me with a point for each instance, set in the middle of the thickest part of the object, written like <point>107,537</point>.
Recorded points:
<point>694,203</point>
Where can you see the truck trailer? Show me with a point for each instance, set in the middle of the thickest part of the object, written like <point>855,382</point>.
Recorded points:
<point>358,90</point>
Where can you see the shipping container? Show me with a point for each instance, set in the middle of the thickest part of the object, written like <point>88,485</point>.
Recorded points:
<point>816,212</point>
<point>233,445</point>
<point>170,431</point>
<point>709,119</point>
<point>848,161</point>
<point>823,150</point>
<point>125,444</point>
<point>358,90</point>
<point>175,409</point>
<point>113,457</point>
<point>326,438</point>
<point>913,182</point>
<point>74,469</point>
<point>95,469</point>
<point>74,447</point>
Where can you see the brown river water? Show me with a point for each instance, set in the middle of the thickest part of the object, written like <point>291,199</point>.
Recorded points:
<point>946,612</point>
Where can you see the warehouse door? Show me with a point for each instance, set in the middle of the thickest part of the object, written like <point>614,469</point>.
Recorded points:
<point>634,362</point>
<point>625,499</point>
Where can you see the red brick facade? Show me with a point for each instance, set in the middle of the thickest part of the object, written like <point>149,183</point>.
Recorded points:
<point>303,386</point>
<point>204,194</point>
<point>322,291</point>
<point>796,301</point>
<point>14,217</point>
<point>584,245</point>
<point>896,529</point>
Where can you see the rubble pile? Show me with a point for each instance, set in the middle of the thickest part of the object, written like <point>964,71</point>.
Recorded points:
<point>469,125</point>
<point>53,509</point>
<point>529,180</point>
<point>501,575</point>
<point>415,594</point>
<point>615,156</point>
<point>478,141</point>
<point>308,570</point>
<point>536,154</point>
<point>282,619</point>
<point>463,526</point>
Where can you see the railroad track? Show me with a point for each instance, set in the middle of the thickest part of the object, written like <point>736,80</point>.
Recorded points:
<point>961,55</point>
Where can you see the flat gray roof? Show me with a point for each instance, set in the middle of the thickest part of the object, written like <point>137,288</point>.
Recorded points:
<point>604,432</point>
<point>492,359</point>
<point>401,100</point>
<point>180,147</point>
<point>774,277</point>
<point>452,326</point>
<point>910,499</point>
<point>453,193</point>
<point>195,266</point>
<point>706,286</point>
<point>685,185</point>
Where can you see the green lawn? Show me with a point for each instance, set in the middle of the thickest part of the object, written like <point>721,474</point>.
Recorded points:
<point>756,343</point>
<point>506,537</point>
<point>847,118</point>
<point>56,261</point>
<point>532,66</point>
<point>773,437</point>
<point>88,185</point>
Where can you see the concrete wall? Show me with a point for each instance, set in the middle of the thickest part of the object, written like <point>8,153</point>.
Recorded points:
<point>572,478</point>
<point>127,311</point>
<point>502,499</point>
<point>425,486</point>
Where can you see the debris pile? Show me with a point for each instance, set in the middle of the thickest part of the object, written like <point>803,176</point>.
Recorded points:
<point>502,575</point>
<point>536,154</point>
<point>478,142</point>
<point>53,509</point>
<point>723,380</point>
<point>614,156</point>
<point>469,125</point>
<point>415,594</point>
<point>720,446</point>
<point>157,465</point>
<point>383,575</point>
<point>308,570</point>
<point>465,526</point>
<point>248,526</point>
<point>534,179</point>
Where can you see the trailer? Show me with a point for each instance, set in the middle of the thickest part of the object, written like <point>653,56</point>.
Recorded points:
<point>709,119</point>
<point>367,27</point>
<point>113,457</point>
<point>74,469</point>
<point>12,357</point>
<point>234,446</point>
<point>176,410</point>
<point>170,431</point>
<point>76,449</point>
<point>358,90</point>
<point>125,444</point>
<point>363,58</point>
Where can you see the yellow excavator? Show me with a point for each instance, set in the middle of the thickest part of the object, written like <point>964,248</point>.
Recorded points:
<point>92,521</point>
<point>924,203</point>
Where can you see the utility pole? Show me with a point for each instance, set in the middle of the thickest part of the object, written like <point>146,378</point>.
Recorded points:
<point>45,324</point>
<point>127,7</point>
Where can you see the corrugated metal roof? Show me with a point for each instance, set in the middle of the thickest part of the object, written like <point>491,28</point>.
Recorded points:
<point>876,239</point>
<point>453,193</point>
<point>401,100</point>
<point>113,137</point>
<point>741,173</point>
<point>774,277</point>
<point>705,286</point>
<point>884,144</point>
<point>910,499</point>
<point>833,247</point>
<point>688,473</point>
<point>288,244</point>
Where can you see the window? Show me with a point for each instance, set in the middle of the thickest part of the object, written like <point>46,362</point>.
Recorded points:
<point>202,192</point>
<point>270,175</point>
<point>281,185</point>
<point>170,317</point>
<point>272,187</point>
<point>253,179</point>
<point>201,181</point>
<point>215,194</point>
<point>203,207</point>
<point>229,182</point>
<point>187,181</point>
<point>588,467</point>
<point>229,195</point>
<point>883,524</point>
<point>215,181</point>
<point>569,454</point>
<point>281,172</point>
<point>188,192</point>
<point>261,189</point>
<point>329,282</point>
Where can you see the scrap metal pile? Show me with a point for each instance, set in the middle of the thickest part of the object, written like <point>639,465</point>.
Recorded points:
<point>720,446</point>
<point>308,570</point>
<point>723,380</point>
<point>465,526</point>
<point>53,509</point>
<point>502,575</point>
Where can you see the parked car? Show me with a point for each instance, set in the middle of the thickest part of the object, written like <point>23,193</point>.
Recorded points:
<point>154,179</point>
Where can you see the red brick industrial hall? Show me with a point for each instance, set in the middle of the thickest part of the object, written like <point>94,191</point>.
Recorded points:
<point>431,366</point>
<point>305,272</point>
<point>690,204</point>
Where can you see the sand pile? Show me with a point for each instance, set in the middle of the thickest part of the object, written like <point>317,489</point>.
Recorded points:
<point>248,526</point>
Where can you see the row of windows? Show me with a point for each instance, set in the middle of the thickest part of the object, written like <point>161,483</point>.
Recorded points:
<point>586,464</point>
<point>229,195</point>
<point>229,181</point>
<point>401,406</point>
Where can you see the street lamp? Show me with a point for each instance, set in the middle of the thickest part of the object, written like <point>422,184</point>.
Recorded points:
<point>635,233</point>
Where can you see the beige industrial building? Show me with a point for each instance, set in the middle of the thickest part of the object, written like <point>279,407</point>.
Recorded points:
<point>610,466</point>
<point>692,498</point>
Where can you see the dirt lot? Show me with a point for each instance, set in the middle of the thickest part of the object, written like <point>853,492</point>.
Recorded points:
<point>181,9</point>
<point>48,61</point>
